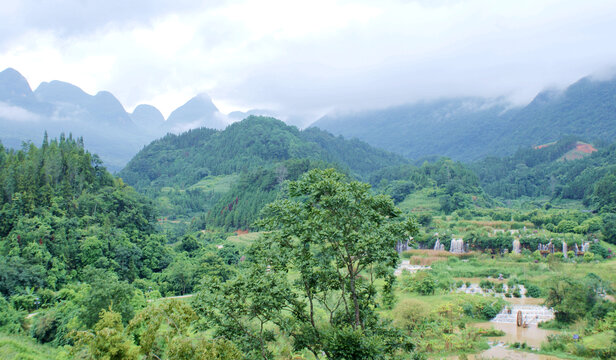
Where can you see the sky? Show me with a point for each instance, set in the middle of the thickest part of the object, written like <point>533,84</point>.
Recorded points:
<point>305,59</point>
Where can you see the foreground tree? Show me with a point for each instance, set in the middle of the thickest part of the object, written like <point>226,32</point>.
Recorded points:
<point>571,299</point>
<point>161,324</point>
<point>336,239</point>
<point>108,341</point>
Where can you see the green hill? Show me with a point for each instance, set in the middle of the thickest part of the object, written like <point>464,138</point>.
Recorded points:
<point>234,172</point>
<point>555,171</point>
<point>62,213</point>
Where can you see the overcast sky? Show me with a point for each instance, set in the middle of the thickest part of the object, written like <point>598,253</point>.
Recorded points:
<point>307,58</point>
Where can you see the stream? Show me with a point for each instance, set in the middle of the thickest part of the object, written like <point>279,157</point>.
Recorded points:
<point>532,335</point>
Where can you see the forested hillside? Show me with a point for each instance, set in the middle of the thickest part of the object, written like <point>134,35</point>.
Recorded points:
<point>62,213</point>
<point>469,129</point>
<point>233,173</point>
<point>453,184</point>
<point>534,172</point>
<point>256,141</point>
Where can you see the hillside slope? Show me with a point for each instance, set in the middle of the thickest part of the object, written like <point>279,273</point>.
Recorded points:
<point>225,177</point>
<point>471,128</point>
<point>546,171</point>
<point>251,143</point>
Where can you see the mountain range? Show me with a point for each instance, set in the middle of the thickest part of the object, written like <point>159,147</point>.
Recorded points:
<point>108,129</point>
<point>462,128</point>
<point>469,129</point>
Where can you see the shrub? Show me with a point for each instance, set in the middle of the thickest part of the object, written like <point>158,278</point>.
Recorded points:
<point>599,250</point>
<point>601,309</point>
<point>533,291</point>
<point>516,292</point>
<point>566,226</point>
<point>486,285</point>
<point>588,256</point>
<point>489,312</point>
<point>422,282</point>
<point>10,319</point>
<point>556,342</point>
<point>409,314</point>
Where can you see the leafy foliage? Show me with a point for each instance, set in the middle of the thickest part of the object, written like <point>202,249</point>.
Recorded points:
<point>533,172</point>
<point>62,212</point>
<point>339,239</point>
<point>108,341</point>
<point>469,129</point>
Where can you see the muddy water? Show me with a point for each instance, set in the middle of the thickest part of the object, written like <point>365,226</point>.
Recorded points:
<point>500,352</point>
<point>531,335</point>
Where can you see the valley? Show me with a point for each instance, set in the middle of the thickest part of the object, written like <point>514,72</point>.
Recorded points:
<point>185,232</point>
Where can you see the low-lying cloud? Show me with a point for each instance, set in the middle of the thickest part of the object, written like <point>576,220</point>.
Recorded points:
<point>17,114</point>
<point>303,59</point>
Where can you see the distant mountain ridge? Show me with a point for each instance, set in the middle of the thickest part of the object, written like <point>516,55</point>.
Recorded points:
<point>198,112</point>
<point>471,128</point>
<point>466,128</point>
<point>110,131</point>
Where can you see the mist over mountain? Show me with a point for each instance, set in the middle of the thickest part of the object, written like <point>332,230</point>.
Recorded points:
<point>472,128</point>
<point>198,112</point>
<point>109,130</point>
<point>464,128</point>
<point>147,116</point>
<point>241,115</point>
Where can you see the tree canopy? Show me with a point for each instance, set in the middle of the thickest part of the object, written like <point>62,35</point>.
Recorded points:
<point>337,239</point>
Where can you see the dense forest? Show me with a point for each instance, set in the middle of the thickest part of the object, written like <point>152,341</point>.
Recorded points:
<point>534,172</point>
<point>452,183</point>
<point>90,266</point>
<point>223,178</point>
<point>62,213</point>
<point>249,144</point>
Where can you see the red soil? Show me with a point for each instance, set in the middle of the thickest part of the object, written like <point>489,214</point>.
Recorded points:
<point>542,146</point>
<point>585,148</point>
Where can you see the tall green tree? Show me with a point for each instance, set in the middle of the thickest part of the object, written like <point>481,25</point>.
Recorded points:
<point>108,341</point>
<point>159,325</point>
<point>609,227</point>
<point>339,239</point>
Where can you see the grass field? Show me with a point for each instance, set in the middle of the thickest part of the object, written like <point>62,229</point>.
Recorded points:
<point>23,348</point>
<point>420,201</point>
<point>219,184</point>
<point>244,240</point>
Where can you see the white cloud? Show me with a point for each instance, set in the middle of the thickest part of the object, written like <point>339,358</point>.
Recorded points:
<point>305,58</point>
<point>16,113</point>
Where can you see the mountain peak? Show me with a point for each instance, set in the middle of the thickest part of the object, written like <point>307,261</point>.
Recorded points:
<point>147,116</point>
<point>199,111</point>
<point>13,85</point>
<point>60,91</point>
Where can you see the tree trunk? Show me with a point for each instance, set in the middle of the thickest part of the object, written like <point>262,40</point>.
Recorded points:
<point>355,301</point>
